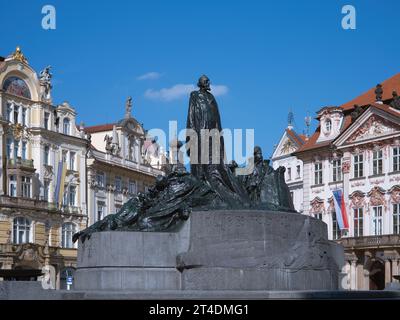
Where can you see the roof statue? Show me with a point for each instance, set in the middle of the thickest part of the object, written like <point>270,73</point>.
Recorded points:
<point>18,55</point>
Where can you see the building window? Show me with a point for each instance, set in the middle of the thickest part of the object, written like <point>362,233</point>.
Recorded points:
<point>100,210</point>
<point>16,113</point>
<point>46,190</point>
<point>335,227</point>
<point>9,112</point>
<point>377,162</point>
<point>298,171</point>
<point>72,160</point>
<point>68,230</point>
<point>26,187</point>
<point>337,170</point>
<point>100,179</point>
<point>47,121</point>
<point>396,218</point>
<point>66,126</point>
<point>318,173</point>
<point>21,230</point>
<point>328,125</point>
<point>396,159</point>
<point>23,150</point>
<point>289,174</point>
<point>132,187</point>
<point>46,155</point>
<point>9,147</point>
<point>318,215</point>
<point>358,222</point>
<point>118,184</point>
<point>64,156</point>
<point>377,221</point>
<point>12,186</point>
<point>24,116</point>
<point>16,147</point>
<point>72,196</point>
<point>358,166</point>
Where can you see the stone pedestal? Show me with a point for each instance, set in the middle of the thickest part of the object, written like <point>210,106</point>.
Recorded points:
<point>214,251</point>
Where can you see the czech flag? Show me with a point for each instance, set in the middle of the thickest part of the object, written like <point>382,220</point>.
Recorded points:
<point>340,209</point>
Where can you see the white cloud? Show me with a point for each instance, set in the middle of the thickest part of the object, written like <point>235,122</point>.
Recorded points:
<point>181,90</point>
<point>149,76</point>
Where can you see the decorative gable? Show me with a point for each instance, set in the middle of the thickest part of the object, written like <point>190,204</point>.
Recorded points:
<point>374,127</point>
<point>375,123</point>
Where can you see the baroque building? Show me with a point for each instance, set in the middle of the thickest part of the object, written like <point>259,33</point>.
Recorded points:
<point>58,178</point>
<point>122,161</point>
<point>43,179</point>
<point>283,157</point>
<point>356,150</point>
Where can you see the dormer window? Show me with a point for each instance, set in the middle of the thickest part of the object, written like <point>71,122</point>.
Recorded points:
<point>66,126</point>
<point>328,125</point>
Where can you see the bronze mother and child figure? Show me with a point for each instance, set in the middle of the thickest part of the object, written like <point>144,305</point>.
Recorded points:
<point>211,184</point>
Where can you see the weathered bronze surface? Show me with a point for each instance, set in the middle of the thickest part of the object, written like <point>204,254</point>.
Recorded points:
<point>210,186</point>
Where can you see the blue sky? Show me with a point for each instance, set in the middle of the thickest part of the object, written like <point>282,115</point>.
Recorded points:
<point>265,57</point>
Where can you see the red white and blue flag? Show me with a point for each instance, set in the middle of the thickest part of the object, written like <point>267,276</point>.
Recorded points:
<point>340,208</point>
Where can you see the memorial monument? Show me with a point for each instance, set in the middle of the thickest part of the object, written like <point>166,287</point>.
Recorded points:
<point>209,229</point>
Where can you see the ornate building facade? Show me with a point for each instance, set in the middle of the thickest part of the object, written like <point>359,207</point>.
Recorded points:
<point>43,179</point>
<point>356,149</point>
<point>58,178</point>
<point>283,157</point>
<point>122,161</point>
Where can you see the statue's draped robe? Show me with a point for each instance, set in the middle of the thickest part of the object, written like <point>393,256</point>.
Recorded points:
<point>203,114</point>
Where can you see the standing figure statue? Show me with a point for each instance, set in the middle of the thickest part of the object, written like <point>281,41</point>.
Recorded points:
<point>128,108</point>
<point>207,163</point>
<point>45,82</point>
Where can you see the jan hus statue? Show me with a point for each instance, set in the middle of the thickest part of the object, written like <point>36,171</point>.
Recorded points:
<point>208,163</point>
<point>211,184</point>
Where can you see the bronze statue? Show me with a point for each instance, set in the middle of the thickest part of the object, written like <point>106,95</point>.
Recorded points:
<point>210,185</point>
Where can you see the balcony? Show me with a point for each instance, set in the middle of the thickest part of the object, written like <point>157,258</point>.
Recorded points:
<point>18,163</point>
<point>70,209</point>
<point>382,241</point>
<point>38,204</point>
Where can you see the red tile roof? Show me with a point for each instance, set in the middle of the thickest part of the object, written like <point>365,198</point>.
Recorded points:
<point>367,98</point>
<point>99,128</point>
<point>297,138</point>
<point>388,86</point>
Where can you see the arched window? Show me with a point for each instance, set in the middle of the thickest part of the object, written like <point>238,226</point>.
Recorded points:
<point>21,228</point>
<point>328,125</point>
<point>68,229</point>
<point>17,86</point>
<point>66,126</point>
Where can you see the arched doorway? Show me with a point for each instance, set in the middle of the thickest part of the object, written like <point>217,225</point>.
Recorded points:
<point>377,276</point>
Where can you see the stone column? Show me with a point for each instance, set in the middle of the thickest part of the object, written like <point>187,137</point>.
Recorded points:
<point>395,270</point>
<point>353,275</point>
<point>388,274</point>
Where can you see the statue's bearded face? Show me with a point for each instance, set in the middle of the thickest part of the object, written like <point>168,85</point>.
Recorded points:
<point>204,83</point>
<point>258,157</point>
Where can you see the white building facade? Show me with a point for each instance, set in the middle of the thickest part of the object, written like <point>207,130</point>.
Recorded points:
<point>356,149</point>
<point>283,157</point>
<point>122,162</point>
